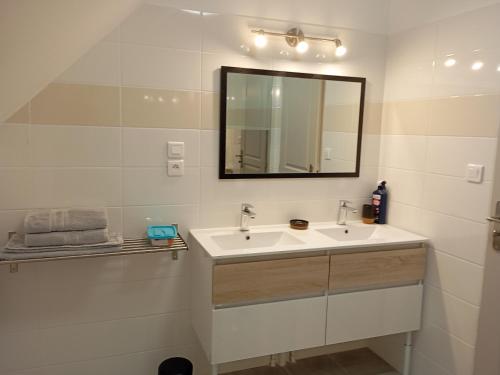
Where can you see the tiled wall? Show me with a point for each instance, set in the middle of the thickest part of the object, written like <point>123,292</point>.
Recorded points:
<point>97,136</point>
<point>436,119</point>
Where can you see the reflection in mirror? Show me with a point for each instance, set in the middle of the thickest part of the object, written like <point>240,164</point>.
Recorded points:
<point>278,124</point>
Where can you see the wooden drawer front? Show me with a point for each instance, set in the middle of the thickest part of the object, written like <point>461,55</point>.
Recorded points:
<point>257,330</point>
<point>270,279</point>
<point>373,313</point>
<point>369,269</point>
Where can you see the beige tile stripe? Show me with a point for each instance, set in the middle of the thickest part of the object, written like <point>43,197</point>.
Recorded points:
<point>467,116</point>
<point>94,105</point>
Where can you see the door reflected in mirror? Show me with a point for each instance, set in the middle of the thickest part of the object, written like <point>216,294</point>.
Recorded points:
<point>281,124</point>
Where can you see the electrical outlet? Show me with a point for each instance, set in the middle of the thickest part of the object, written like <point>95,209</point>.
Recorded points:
<point>175,168</point>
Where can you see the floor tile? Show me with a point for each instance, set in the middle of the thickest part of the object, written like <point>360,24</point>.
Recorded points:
<point>264,370</point>
<point>361,362</point>
<point>322,365</point>
<point>354,362</point>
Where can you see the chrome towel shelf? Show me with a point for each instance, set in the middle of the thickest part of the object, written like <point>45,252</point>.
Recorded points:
<point>129,247</point>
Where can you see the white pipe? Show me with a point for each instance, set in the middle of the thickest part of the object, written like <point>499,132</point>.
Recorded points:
<point>408,352</point>
<point>272,361</point>
<point>214,370</point>
<point>282,357</point>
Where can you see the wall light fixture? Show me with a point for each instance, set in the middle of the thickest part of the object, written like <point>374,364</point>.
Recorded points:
<point>295,38</point>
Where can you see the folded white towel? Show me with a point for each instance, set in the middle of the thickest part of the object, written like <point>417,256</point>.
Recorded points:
<point>76,237</point>
<point>67,219</point>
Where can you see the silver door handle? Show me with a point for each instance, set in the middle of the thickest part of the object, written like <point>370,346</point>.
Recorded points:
<point>494,219</point>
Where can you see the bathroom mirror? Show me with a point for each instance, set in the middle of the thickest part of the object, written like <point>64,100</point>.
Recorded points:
<point>278,124</point>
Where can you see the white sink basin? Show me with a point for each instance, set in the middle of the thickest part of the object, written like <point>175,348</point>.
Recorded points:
<point>349,233</point>
<point>227,243</point>
<point>249,240</point>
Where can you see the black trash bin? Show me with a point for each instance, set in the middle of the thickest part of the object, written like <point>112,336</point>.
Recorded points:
<point>176,366</point>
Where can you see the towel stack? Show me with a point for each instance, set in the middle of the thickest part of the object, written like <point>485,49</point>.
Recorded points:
<point>73,226</point>
<point>59,232</point>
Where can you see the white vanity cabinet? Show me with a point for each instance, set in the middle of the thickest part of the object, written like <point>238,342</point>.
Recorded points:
<point>255,306</point>
<point>261,329</point>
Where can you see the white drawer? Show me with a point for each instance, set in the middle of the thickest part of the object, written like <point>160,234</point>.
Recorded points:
<point>257,330</point>
<point>359,315</point>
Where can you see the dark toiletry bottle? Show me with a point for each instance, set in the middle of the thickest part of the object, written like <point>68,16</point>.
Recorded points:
<point>379,201</point>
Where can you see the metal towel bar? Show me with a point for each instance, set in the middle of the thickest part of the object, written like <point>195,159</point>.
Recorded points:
<point>129,247</point>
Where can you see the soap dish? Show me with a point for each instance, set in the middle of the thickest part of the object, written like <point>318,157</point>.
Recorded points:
<point>162,235</point>
<point>299,224</point>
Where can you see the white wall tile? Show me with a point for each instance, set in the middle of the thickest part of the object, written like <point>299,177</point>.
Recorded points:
<point>16,185</point>
<point>161,26</point>
<point>80,273</point>
<point>14,145</point>
<point>66,187</point>
<point>455,276</point>
<point>148,147</point>
<point>451,314</point>
<point>108,301</point>
<point>135,219</point>
<point>370,150</point>
<point>75,146</point>
<point>144,66</point>
<point>457,197</point>
<point>450,155</point>
<point>158,265</point>
<point>447,351</point>
<point>404,186</point>
<point>209,148</point>
<point>20,306</point>
<point>458,237</point>
<point>152,186</point>
<point>99,66</point>
<point>403,152</point>
<point>20,350</point>
<point>98,340</point>
<point>405,216</point>
<point>145,362</point>
<point>211,63</point>
<point>422,365</point>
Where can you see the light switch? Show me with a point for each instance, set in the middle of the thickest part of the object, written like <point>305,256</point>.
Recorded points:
<point>175,150</point>
<point>175,168</point>
<point>475,173</point>
<point>328,153</point>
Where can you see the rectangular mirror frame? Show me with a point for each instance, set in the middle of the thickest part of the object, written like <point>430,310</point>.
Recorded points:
<point>225,70</point>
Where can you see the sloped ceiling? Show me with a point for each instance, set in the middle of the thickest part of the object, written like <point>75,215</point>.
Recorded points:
<point>39,39</point>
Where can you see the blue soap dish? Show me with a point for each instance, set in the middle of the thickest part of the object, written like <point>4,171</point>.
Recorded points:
<point>162,235</point>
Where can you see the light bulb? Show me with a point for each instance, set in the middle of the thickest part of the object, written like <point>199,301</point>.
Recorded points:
<point>498,68</point>
<point>260,40</point>
<point>478,65</point>
<point>302,46</point>
<point>450,62</point>
<point>340,51</point>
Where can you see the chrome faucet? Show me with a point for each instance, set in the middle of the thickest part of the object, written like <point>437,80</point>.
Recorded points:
<point>246,214</point>
<point>344,209</point>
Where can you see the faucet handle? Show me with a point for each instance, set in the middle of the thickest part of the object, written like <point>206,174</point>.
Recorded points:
<point>344,203</point>
<point>246,206</point>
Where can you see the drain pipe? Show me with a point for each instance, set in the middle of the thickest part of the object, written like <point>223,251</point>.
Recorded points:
<point>408,353</point>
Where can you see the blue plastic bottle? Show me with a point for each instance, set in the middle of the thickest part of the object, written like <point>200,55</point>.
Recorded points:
<point>379,202</point>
